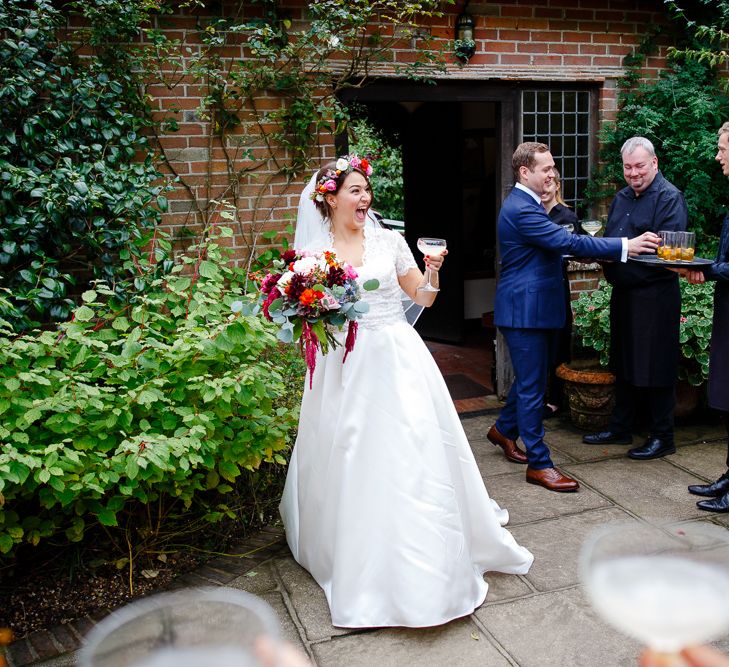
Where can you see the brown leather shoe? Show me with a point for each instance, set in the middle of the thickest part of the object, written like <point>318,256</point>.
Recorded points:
<point>552,479</point>
<point>512,452</point>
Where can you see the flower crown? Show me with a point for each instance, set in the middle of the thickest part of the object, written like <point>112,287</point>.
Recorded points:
<point>343,165</point>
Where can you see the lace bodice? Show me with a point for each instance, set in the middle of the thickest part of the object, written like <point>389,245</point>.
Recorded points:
<point>386,256</point>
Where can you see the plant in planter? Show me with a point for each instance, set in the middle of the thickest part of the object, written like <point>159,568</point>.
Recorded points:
<point>592,333</point>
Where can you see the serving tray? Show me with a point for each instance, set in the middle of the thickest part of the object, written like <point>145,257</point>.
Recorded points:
<point>653,260</point>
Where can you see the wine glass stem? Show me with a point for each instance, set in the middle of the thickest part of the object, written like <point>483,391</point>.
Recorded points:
<point>427,277</point>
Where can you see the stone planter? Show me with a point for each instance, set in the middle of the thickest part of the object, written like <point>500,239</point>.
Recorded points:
<point>590,391</point>
<point>688,399</point>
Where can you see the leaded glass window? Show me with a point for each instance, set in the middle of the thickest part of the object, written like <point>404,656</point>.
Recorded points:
<point>561,119</point>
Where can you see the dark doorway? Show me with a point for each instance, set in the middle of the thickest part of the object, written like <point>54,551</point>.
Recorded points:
<point>451,184</point>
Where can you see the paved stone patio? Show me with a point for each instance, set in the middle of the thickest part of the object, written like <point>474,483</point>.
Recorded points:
<point>541,619</point>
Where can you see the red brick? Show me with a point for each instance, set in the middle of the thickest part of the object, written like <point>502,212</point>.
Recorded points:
<point>485,59</point>
<point>593,49</point>
<point>609,15</point>
<point>44,645</point>
<point>501,47</point>
<point>508,59</point>
<point>493,22</point>
<point>605,38</point>
<point>563,48</point>
<point>564,24</point>
<point>619,49</point>
<point>578,37</point>
<point>21,653</point>
<point>607,61</point>
<point>578,61</point>
<point>513,35</point>
<point>531,47</point>
<point>524,11</point>
<point>546,36</point>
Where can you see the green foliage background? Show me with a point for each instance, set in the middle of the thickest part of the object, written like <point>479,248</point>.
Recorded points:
<point>680,114</point>
<point>130,410</point>
<point>592,326</point>
<point>77,173</point>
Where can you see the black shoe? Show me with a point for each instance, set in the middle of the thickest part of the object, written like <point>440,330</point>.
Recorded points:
<point>716,489</point>
<point>715,504</point>
<point>607,438</point>
<point>653,448</point>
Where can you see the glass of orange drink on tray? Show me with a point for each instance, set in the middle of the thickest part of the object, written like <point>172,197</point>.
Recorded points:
<point>668,250</point>
<point>688,241</point>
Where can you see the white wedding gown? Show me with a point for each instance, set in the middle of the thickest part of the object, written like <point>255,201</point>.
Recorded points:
<point>384,504</point>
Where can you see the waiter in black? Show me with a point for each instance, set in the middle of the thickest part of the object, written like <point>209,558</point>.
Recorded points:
<point>717,493</point>
<point>645,308</point>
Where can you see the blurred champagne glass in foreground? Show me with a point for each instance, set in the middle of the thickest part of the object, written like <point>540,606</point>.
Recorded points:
<point>667,586</point>
<point>188,628</point>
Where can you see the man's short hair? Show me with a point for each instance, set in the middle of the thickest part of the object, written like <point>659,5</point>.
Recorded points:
<point>724,129</point>
<point>524,156</point>
<point>638,142</point>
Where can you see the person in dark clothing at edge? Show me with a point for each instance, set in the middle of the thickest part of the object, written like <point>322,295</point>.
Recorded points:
<point>645,308</point>
<point>717,493</point>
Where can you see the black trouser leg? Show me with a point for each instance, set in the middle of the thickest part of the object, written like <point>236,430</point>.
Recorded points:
<point>662,403</point>
<point>621,420</point>
<point>725,418</point>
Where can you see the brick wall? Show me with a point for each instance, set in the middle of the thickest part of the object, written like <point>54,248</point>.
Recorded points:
<point>546,41</point>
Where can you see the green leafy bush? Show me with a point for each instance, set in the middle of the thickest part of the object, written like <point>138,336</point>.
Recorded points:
<point>592,326</point>
<point>132,408</point>
<point>76,172</point>
<point>680,113</point>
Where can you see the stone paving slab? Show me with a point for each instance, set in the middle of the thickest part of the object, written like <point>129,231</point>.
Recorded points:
<point>706,460</point>
<point>287,627</point>
<point>506,587</point>
<point>556,545</point>
<point>529,502</point>
<point>650,489</point>
<point>260,580</point>
<point>569,443</point>
<point>308,600</point>
<point>458,643</point>
<point>710,430</point>
<point>557,629</point>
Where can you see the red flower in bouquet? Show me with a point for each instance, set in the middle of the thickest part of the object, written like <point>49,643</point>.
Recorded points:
<point>311,296</point>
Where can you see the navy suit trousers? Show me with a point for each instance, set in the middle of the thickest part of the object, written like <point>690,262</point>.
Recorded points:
<point>522,414</point>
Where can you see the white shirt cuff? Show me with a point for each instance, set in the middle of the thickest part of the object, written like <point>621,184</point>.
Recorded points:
<point>624,254</point>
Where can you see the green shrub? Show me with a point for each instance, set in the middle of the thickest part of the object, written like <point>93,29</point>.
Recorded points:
<point>130,409</point>
<point>680,113</point>
<point>592,326</point>
<point>76,171</point>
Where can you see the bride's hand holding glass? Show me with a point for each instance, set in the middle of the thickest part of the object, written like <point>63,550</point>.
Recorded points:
<point>434,250</point>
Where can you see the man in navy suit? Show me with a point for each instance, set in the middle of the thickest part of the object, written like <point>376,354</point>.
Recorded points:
<point>530,305</point>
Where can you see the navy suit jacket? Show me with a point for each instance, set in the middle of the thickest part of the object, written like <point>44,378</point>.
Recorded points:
<point>530,291</point>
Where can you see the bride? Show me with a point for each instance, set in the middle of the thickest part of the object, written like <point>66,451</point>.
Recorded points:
<point>383,503</point>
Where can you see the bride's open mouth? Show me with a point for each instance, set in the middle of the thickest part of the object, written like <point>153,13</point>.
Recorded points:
<point>361,214</point>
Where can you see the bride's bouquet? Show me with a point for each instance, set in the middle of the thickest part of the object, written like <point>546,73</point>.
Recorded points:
<point>311,296</point>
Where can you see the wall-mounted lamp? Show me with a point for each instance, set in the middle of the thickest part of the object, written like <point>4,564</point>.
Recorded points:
<point>465,45</point>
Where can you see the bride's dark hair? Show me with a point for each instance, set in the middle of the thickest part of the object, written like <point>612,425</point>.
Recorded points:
<point>328,173</point>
